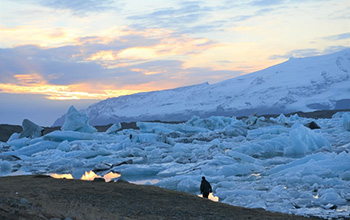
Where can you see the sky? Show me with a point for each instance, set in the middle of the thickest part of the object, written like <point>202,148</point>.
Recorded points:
<point>58,53</point>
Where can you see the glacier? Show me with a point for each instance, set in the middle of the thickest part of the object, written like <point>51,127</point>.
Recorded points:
<point>278,164</point>
<point>299,84</point>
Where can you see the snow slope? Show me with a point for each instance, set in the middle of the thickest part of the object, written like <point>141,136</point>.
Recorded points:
<point>299,84</point>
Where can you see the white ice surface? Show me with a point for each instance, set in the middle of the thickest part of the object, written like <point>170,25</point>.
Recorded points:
<point>279,164</point>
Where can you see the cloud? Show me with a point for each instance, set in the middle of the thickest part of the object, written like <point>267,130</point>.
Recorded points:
<point>262,3</point>
<point>186,17</point>
<point>174,16</point>
<point>333,49</point>
<point>98,67</point>
<point>296,53</point>
<point>343,36</point>
<point>308,52</point>
<point>258,13</point>
<point>79,7</point>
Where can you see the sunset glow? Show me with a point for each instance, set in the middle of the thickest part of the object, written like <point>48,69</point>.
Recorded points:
<point>88,176</point>
<point>54,92</point>
<point>66,51</point>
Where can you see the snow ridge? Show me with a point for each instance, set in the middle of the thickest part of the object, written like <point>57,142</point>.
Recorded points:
<point>299,84</point>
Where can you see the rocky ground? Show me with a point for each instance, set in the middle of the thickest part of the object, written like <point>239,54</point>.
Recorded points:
<point>42,197</point>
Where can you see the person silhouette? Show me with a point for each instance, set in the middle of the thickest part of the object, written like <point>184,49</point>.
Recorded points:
<point>205,188</point>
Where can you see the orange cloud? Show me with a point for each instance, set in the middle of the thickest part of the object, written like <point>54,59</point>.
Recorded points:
<point>106,55</point>
<point>147,72</point>
<point>36,35</point>
<point>168,47</point>
<point>63,92</point>
<point>136,53</point>
<point>29,79</point>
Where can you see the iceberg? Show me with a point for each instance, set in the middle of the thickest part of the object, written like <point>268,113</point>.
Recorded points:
<point>5,168</point>
<point>77,121</point>
<point>114,128</point>
<point>30,129</point>
<point>304,140</point>
<point>346,121</point>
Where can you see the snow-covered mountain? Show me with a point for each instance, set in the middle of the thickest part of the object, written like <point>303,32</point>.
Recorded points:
<point>299,84</point>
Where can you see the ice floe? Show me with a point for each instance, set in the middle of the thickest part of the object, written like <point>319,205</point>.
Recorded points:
<point>278,164</point>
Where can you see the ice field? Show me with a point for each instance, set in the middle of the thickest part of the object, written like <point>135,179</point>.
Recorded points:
<point>278,164</point>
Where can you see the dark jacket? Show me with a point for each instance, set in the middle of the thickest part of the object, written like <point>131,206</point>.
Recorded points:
<point>205,187</point>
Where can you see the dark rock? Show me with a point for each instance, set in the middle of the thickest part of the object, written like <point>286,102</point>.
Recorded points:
<point>312,125</point>
<point>130,161</point>
<point>122,181</point>
<point>333,207</point>
<point>24,201</point>
<point>9,157</point>
<point>98,179</point>
<point>42,176</point>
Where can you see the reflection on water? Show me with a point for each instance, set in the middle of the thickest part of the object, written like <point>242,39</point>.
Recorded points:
<point>88,176</point>
<point>212,197</point>
<point>62,176</point>
<point>146,182</point>
<point>345,208</point>
<point>109,176</point>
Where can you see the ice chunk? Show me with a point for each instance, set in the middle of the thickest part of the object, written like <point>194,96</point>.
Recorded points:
<point>212,123</point>
<point>339,115</point>
<point>14,136</point>
<point>77,121</point>
<point>30,129</point>
<point>346,121</point>
<point>294,117</point>
<point>74,135</point>
<point>294,166</point>
<point>304,141</point>
<point>189,184</point>
<point>138,171</point>
<point>19,143</point>
<point>114,128</point>
<point>149,138</point>
<point>168,128</point>
<point>242,158</point>
<point>311,179</point>
<point>64,146</point>
<point>345,176</point>
<point>236,128</point>
<point>79,172</point>
<point>330,196</point>
<point>265,148</point>
<point>267,132</point>
<point>282,119</point>
<point>5,168</point>
<point>33,148</point>
<point>239,169</point>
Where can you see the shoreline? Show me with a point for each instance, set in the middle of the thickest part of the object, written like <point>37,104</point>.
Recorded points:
<point>42,197</point>
<point>6,130</point>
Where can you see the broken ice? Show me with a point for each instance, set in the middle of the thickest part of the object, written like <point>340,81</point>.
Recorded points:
<point>278,164</point>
